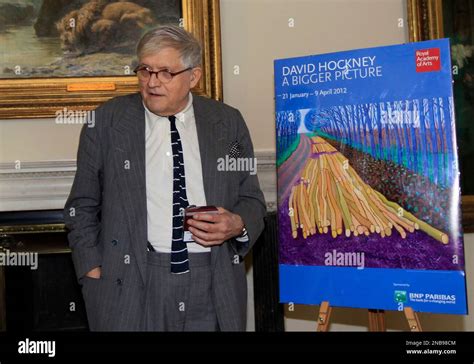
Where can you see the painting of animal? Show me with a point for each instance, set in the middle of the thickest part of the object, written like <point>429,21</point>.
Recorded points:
<point>77,38</point>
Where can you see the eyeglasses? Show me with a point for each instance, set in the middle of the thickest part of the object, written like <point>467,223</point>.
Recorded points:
<point>144,73</point>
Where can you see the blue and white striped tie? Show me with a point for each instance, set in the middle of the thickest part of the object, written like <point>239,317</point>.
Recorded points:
<point>179,250</point>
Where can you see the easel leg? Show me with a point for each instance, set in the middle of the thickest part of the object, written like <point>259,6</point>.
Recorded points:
<point>377,320</point>
<point>324,315</point>
<point>412,318</point>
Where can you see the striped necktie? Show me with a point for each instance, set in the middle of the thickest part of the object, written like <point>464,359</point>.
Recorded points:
<point>179,250</point>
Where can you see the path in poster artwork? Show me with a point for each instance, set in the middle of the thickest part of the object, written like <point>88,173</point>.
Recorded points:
<point>329,196</point>
<point>289,172</point>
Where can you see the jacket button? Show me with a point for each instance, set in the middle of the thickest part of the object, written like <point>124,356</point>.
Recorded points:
<point>119,282</point>
<point>114,242</point>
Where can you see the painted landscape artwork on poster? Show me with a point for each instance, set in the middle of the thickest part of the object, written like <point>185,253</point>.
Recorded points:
<point>368,179</point>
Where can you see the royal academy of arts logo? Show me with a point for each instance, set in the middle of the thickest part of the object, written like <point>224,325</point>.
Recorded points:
<point>428,60</point>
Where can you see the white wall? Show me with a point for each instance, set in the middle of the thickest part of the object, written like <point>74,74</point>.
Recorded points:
<point>37,140</point>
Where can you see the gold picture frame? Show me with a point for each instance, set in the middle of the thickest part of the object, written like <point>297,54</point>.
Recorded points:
<point>425,21</point>
<point>43,97</point>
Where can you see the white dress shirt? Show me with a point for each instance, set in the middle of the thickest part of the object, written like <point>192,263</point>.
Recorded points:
<point>159,174</point>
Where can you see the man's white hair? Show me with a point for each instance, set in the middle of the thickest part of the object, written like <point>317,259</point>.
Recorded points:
<point>171,36</point>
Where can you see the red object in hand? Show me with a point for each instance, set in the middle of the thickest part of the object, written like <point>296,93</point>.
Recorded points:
<point>189,212</point>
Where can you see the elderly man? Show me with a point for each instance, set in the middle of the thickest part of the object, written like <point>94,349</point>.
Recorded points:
<point>149,156</point>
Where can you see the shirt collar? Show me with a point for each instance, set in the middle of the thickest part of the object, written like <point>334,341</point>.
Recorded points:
<point>181,116</point>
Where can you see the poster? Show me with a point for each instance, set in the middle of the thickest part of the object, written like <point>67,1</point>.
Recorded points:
<point>368,180</point>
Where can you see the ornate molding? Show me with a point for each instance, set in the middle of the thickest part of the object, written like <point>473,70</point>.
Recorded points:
<point>45,185</point>
<point>266,170</point>
<point>35,185</point>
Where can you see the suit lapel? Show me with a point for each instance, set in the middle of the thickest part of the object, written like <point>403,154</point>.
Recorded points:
<point>210,134</point>
<point>129,157</point>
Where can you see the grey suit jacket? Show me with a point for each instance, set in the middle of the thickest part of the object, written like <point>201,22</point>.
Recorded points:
<point>107,217</point>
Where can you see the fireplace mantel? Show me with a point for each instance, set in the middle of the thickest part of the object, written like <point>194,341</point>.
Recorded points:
<point>45,185</point>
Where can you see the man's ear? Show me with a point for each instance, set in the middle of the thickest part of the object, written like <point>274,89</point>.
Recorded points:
<point>195,76</point>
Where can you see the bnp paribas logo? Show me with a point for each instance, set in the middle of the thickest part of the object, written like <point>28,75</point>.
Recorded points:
<point>400,296</point>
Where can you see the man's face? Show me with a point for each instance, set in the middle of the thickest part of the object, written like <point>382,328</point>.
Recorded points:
<point>167,98</point>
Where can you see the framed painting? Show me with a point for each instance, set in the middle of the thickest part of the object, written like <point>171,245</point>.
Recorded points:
<point>454,19</point>
<point>77,54</point>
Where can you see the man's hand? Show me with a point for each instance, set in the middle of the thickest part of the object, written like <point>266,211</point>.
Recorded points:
<point>94,273</point>
<point>214,229</point>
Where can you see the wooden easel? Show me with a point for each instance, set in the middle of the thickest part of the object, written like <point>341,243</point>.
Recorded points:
<point>376,319</point>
